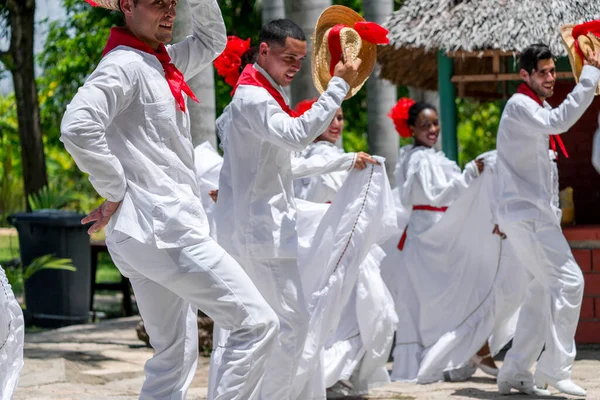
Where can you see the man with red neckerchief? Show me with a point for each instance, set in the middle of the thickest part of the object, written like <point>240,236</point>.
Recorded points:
<point>255,213</point>
<point>526,215</point>
<point>128,128</point>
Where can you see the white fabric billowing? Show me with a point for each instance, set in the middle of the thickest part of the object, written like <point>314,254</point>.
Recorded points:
<point>359,348</point>
<point>322,188</point>
<point>124,128</point>
<point>453,291</point>
<point>12,330</point>
<point>330,266</point>
<point>208,167</point>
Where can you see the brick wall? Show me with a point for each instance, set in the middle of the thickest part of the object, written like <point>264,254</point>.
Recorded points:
<point>577,171</point>
<point>588,330</point>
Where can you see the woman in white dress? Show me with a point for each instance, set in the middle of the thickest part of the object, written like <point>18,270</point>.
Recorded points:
<point>12,328</point>
<point>428,183</point>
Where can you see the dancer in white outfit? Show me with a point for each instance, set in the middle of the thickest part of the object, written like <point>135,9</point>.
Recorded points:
<point>12,329</point>
<point>255,208</point>
<point>128,128</point>
<point>428,183</point>
<point>527,217</point>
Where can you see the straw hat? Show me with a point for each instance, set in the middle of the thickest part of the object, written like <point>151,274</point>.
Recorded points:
<point>108,4</point>
<point>588,41</point>
<point>351,44</point>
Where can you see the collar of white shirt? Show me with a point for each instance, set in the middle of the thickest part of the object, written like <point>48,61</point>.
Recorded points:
<point>275,84</point>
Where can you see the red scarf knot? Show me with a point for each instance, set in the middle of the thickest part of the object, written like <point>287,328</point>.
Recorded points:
<point>554,139</point>
<point>252,77</point>
<point>122,37</point>
<point>368,31</point>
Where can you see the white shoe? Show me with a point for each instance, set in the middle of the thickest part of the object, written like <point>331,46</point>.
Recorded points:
<point>341,389</point>
<point>504,387</point>
<point>477,360</point>
<point>566,386</point>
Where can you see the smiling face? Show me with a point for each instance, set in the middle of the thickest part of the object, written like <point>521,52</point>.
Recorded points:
<point>282,63</point>
<point>151,21</point>
<point>335,128</point>
<point>542,79</point>
<point>427,128</point>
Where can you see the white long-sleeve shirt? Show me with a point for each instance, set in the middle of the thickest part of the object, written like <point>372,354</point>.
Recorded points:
<point>256,213</point>
<point>322,187</point>
<point>524,167</point>
<point>124,128</point>
<point>426,177</point>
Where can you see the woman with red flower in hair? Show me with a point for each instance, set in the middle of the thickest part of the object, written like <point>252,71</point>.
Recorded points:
<point>428,183</point>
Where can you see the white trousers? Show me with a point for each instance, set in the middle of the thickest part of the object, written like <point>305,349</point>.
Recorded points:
<point>278,280</point>
<point>170,285</point>
<point>550,312</point>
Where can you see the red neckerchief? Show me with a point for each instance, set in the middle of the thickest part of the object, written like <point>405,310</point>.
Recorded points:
<point>122,37</point>
<point>526,90</point>
<point>252,77</point>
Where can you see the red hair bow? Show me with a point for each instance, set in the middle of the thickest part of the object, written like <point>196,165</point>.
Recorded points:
<point>399,114</point>
<point>228,63</point>
<point>304,105</point>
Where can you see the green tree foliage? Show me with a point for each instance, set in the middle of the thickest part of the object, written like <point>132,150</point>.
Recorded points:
<point>477,128</point>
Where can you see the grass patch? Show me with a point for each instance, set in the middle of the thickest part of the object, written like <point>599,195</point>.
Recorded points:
<point>9,247</point>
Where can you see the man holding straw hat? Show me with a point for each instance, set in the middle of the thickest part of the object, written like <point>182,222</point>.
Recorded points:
<point>256,211</point>
<point>128,128</point>
<point>525,213</point>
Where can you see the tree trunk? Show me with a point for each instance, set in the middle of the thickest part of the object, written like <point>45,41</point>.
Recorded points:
<point>28,112</point>
<point>272,9</point>
<point>306,13</point>
<point>203,114</point>
<point>381,97</point>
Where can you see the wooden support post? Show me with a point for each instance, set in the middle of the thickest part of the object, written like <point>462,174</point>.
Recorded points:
<point>447,105</point>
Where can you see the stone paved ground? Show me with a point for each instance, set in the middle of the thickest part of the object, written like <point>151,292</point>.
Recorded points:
<point>104,361</point>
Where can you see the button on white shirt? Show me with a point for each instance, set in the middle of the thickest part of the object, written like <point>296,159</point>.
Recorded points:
<point>256,212</point>
<point>524,167</point>
<point>124,128</point>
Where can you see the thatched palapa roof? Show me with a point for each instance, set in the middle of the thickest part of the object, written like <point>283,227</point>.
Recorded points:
<point>421,27</point>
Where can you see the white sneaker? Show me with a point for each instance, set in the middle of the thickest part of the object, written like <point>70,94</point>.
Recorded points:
<point>504,387</point>
<point>566,386</point>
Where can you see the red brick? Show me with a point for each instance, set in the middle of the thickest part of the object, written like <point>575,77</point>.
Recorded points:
<point>587,308</point>
<point>588,332</point>
<point>583,258</point>
<point>592,284</point>
<point>597,300</point>
<point>596,260</point>
<point>582,232</point>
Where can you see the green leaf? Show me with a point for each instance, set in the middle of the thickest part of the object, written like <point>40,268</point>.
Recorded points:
<point>48,261</point>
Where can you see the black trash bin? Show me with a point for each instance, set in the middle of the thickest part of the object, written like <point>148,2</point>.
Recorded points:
<point>55,298</point>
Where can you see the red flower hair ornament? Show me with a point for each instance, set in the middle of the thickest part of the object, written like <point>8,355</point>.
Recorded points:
<point>304,105</point>
<point>399,114</point>
<point>228,63</point>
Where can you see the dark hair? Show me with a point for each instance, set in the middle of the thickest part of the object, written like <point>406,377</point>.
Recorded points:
<point>415,110</point>
<point>532,54</point>
<point>277,31</point>
<point>250,56</point>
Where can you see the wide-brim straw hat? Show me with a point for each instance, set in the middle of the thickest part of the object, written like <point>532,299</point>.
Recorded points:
<point>351,45</point>
<point>586,43</point>
<point>108,4</point>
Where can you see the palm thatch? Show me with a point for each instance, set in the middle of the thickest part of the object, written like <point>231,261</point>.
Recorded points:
<point>421,27</point>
